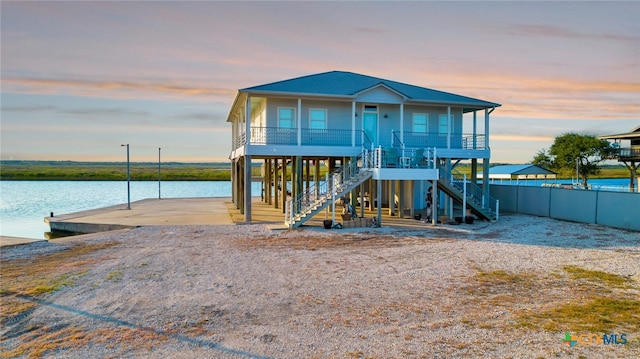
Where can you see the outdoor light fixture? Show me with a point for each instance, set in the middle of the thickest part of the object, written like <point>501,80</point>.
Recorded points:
<point>386,115</point>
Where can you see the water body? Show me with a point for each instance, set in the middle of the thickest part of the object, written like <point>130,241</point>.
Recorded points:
<point>600,184</point>
<point>24,204</point>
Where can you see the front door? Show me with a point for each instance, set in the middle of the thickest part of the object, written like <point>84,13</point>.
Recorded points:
<point>370,123</point>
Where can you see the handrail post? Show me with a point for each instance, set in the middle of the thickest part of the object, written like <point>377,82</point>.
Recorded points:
<point>435,157</point>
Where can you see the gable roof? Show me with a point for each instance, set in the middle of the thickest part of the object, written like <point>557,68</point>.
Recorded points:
<point>527,169</point>
<point>349,85</point>
<point>518,171</point>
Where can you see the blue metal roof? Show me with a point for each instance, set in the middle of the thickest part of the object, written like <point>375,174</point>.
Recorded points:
<point>340,83</point>
<point>518,170</point>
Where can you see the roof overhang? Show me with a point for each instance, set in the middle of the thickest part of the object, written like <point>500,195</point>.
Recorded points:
<point>633,134</point>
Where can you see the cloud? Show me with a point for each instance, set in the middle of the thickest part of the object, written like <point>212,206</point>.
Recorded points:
<point>559,32</point>
<point>110,88</point>
<point>520,138</point>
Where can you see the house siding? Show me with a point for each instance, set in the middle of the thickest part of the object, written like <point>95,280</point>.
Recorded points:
<point>380,95</point>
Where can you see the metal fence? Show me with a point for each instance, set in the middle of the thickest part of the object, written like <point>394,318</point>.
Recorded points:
<point>613,209</point>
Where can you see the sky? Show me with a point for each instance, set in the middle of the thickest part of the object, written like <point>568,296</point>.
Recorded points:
<point>78,79</point>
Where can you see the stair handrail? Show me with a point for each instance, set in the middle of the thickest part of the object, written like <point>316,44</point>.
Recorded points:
<point>316,195</point>
<point>367,144</point>
<point>475,193</point>
<point>396,142</point>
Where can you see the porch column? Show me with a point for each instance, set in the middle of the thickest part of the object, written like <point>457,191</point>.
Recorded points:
<point>474,170</point>
<point>247,123</point>
<point>485,161</point>
<point>434,202</point>
<point>448,126</point>
<point>316,177</point>
<point>266,181</point>
<point>298,175</point>
<point>299,121</point>
<point>283,184</point>
<point>373,199</point>
<point>402,122</point>
<point>486,128</point>
<point>392,194</point>
<point>275,183</point>
<point>240,203</point>
<point>307,173</point>
<point>401,189</point>
<point>392,203</point>
<point>353,124</point>
<point>379,196</point>
<point>234,183</point>
<point>247,188</point>
<point>475,129</point>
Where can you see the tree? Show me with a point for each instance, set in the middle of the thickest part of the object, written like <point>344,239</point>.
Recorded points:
<point>543,159</point>
<point>572,150</point>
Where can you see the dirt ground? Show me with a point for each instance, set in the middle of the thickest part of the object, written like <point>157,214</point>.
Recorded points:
<point>509,289</point>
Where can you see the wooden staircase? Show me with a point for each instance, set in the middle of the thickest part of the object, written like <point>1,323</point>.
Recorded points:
<point>316,198</point>
<point>452,183</point>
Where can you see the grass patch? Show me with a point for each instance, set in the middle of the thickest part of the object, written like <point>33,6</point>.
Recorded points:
<point>115,276</point>
<point>504,285</point>
<point>48,340</point>
<point>52,285</point>
<point>501,277</point>
<point>599,314</point>
<point>604,278</point>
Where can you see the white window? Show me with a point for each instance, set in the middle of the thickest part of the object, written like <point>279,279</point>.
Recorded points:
<point>286,117</point>
<point>442,128</point>
<point>420,121</point>
<point>317,118</point>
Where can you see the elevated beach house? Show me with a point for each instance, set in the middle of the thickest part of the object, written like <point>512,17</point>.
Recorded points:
<point>339,137</point>
<point>627,153</point>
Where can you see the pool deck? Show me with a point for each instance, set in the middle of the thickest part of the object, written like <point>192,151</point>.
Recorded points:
<point>179,211</point>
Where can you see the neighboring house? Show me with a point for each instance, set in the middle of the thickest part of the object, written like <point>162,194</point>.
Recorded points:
<point>374,138</point>
<point>627,154</point>
<point>519,172</point>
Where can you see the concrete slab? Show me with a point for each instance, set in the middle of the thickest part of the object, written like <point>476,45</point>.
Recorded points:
<point>191,211</point>
<point>147,212</point>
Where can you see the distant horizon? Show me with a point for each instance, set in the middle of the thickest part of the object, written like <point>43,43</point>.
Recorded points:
<point>254,162</point>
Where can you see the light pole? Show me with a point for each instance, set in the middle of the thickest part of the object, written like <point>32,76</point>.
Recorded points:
<point>159,172</point>
<point>128,179</point>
